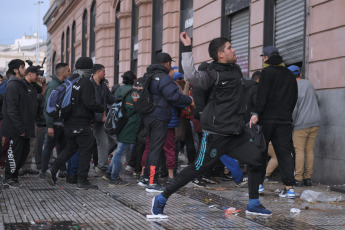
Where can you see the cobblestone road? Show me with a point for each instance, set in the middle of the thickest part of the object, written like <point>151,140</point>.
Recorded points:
<point>38,206</point>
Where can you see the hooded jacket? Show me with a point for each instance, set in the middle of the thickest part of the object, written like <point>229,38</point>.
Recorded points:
<point>277,93</point>
<point>164,93</point>
<point>17,110</point>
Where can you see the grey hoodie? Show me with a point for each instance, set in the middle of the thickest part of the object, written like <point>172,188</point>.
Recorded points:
<point>306,113</point>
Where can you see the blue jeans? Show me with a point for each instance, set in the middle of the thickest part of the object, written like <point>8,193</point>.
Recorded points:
<point>115,164</point>
<point>233,167</point>
<point>73,164</point>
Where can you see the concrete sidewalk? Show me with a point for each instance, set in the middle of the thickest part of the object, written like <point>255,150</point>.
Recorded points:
<point>39,206</point>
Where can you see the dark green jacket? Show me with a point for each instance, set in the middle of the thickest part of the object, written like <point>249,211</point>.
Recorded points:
<point>130,132</point>
<point>55,82</point>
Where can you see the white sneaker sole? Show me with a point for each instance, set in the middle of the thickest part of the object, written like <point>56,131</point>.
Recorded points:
<point>257,214</point>
<point>152,190</point>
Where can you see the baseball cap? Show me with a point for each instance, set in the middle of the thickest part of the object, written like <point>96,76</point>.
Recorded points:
<point>295,69</point>
<point>163,58</point>
<point>268,50</point>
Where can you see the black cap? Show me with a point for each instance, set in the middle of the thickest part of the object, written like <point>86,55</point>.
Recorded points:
<point>84,63</point>
<point>32,69</point>
<point>163,58</point>
<point>268,50</point>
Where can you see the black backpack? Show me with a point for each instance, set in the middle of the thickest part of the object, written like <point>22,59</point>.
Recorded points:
<point>141,95</point>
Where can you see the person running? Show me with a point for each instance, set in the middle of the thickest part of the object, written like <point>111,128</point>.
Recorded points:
<point>223,123</point>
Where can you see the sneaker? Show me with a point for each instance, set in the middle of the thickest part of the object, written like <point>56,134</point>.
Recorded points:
<point>143,181</point>
<point>210,180</point>
<point>31,171</point>
<point>169,180</point>
<point>307,182</point>
<point>269,179</point>
<point>158,204</point>
<point>86,185</point>
<point>61,175</point>
<point>100,171</point>
<point>118,182</point>
<point>258,210</point>
<point>227,177</point>
<point>107,176</point>
<point>51,178</point>
<point>72,179</point>
<point>155,188</point>
<point>198,183</point>
<point>290,193</point>
<point>261,189</point>
<point>298,183</point>
<point>11,183</point>
<point>129,168</point>
<point>42,175</point>
<point>243,182</point>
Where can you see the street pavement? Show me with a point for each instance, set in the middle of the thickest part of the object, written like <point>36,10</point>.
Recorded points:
<point>36,205</point>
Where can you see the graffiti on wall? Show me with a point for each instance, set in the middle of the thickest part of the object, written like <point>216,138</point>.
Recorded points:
<point>242,61</point>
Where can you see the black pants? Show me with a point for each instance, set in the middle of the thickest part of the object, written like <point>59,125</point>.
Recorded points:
<point>280,136</point>
<point>77,138</point>
<point>212,147</point>
<point>157,132</point>
<point>136,155</point>
<point>189,141</point>
<point>16,156</point>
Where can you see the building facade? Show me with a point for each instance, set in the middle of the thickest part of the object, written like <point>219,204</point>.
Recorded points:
<point>23,48</point>
<point>126,34</point>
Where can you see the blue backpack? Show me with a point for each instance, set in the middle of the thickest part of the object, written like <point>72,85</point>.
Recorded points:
<point>62,99</point>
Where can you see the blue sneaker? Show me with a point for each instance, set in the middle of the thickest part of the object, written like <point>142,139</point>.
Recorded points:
<point>261,189</point>
<point>258,210</point>
<point>290,193</point>
<point>158,204</point>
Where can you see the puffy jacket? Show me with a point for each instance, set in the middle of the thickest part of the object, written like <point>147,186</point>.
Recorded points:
<point>129,133</point>
<point>224,113</point>
<point>277,93</point>
<point>164,93</point>
<point>17,110</point>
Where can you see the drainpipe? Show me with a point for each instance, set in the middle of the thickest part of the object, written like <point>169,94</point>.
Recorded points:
<point>308,40</point>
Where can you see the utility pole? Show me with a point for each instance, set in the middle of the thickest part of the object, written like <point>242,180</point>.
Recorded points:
<point>38,32</point>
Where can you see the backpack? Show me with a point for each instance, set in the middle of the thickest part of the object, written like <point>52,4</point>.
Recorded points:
<point>62,99</point>
<point>142,97</point>
<point>116,117</point>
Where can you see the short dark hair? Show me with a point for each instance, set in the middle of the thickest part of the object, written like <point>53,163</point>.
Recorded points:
<point>15,64</point>
<point>97,67</point>
<point>217,44</point>
<point>256,75</point>
<point>128,78</point>
<point>59,66</point>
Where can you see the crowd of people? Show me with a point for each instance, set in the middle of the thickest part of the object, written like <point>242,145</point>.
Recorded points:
<point>205,112</point>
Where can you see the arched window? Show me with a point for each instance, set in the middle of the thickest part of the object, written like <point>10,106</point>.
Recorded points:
<point>62,45</point>
<point>117,44</point>
<point>67,46</point>
<point>92,29</point>
<point>54,63</point>
<point>73,49</point>
<point>84,33</point>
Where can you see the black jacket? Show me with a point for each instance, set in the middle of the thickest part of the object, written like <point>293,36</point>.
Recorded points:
<point>103,96</point>
<point>40,118</point>
<point>277,93</point>
<point>251,91</point>
<point>17,110</point>
<point>224,113</point>
<point>33,89</point>
<point>85,107</point>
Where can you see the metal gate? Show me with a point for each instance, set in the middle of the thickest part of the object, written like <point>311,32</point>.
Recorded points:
<point>289,30</point>
<point>239,37</point>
